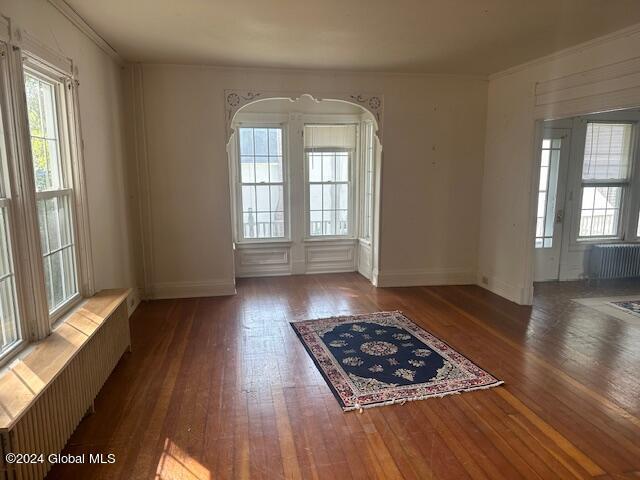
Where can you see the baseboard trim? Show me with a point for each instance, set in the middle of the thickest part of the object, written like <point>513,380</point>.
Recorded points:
<point>514,293</point>
<point>419,277</point>
<point>214,288</point>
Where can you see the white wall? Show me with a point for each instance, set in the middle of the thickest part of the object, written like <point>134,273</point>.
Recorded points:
<point>101,114</point>
<point>506,235</point>
<point>433,148</point>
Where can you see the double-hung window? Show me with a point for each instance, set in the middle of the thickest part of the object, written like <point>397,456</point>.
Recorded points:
<point>606,173</point>
<point>261,183</point>
<point>329,152</point>
<point>54,187</point>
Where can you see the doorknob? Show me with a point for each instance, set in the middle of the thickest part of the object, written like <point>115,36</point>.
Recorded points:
<point>559,216</point>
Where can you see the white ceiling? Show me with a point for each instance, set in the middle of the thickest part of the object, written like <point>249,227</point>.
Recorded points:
<point>438,36</point>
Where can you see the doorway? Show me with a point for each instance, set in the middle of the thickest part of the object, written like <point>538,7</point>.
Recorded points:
<point>588,195</point>
<point>554,165</point>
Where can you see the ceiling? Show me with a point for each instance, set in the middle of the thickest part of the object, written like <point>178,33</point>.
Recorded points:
<point>435,36</point>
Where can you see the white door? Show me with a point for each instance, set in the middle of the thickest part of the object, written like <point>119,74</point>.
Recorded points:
<point>553,164</point>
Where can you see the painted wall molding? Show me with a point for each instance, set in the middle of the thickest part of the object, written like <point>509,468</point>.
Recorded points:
<point>426,277</point>
<point>234,100</point>
<point>601,88</point>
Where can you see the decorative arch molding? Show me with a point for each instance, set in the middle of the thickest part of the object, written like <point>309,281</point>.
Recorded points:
<point>234,100</point>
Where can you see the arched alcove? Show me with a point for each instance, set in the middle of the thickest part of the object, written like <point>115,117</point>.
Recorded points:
<point>297,250</point>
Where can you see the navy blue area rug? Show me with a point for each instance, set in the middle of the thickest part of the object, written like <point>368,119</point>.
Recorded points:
<point>384,358</point>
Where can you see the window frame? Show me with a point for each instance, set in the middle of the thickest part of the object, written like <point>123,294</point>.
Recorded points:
<point>62,84</point>
<point>237,184</point>
<point>351,214</point>
<point>368,159</point>
<point>624,229</point>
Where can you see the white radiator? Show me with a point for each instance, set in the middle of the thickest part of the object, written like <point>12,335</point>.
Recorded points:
<point>620,260</point>
<point>52,417</point>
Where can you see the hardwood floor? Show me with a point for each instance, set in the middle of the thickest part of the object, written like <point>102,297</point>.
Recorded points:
<point>222,388</point>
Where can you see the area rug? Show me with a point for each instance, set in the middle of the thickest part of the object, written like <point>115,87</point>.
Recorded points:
<point>626,308</point>
<point>384,358</point>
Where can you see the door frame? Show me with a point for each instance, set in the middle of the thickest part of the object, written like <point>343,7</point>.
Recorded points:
<point>564,168</point>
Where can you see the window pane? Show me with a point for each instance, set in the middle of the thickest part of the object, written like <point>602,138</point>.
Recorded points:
<point>277,224</point>
<point>247,170</point>
<point>275,141</point>
<point>260,141</point>
<point>328,197</point>
<point>342,167</point>
<point>277,200</point>
<point>315,220</point>
<point>606,151</point>
<point>262,169</point>
<point>342,222</point>
<point>53,225</point>
<point>600,213</point>
<point>547,190</point>
<point>315,197</point>
<point>45,142</point>
<point>275,169</point>
<point>248,198</point>
<point>69,265</point>
<point>328,167</point>
<point>315,167</point>
<point>262,198</point>
<point>263,224</point>
<point>328,222</point>
<point>342,193</point>
<point>246,141</point>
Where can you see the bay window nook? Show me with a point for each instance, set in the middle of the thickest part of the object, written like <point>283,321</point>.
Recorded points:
<point>304,195</point>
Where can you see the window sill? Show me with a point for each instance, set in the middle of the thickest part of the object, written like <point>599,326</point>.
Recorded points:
<point>262,243</point>
<point>330,239</point>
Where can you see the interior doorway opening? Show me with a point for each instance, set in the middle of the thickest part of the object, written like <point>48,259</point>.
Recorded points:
<point>305,183</point>
<point>587,196</point>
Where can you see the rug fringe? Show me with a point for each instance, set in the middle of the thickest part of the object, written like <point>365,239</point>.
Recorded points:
<point>402,401</point>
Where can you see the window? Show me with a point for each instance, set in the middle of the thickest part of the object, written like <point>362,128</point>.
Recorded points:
<point>368,178</point>
<point>261,183</point>
<point>54,192</point>
<point>605,177</point>
<point>329,151</point>
<point>9,315</point>
<point>547,190</point>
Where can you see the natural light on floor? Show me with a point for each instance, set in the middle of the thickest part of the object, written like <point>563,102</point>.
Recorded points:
<point>176,463</point>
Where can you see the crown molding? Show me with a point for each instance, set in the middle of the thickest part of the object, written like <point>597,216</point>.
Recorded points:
<point>331,72</point>
<point>63,7</point>
<point>610,37</point>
